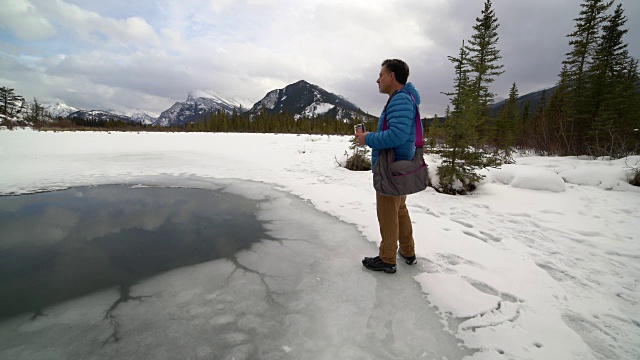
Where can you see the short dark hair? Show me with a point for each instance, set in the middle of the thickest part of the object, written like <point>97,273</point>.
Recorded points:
<point>398,67</point>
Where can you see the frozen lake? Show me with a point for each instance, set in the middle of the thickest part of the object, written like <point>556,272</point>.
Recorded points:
<point>213,270</point>
<point>63,244</point>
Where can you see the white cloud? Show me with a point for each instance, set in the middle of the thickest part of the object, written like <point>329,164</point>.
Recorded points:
<point>154,53</point>
<point>23,19</point>
<point>92,27</point>
<point>219,6</point>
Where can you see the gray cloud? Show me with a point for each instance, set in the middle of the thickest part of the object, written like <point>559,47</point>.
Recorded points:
<point>148,55</point>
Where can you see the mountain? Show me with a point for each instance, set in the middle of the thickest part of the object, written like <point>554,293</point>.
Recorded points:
<point>98,115</point>
<point>199,103</point>
<point>60,109</point>
<point>143,117</point>
<point>533,97</point>
<point>305,99</point>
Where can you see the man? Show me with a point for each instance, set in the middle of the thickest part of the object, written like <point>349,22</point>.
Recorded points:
<point>400,112</point>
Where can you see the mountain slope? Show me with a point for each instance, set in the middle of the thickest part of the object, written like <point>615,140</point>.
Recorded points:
<point>198,103</point>
<point>99,115</point>
<point>60,109</point>
<point>305,99</point>
<point>143,117</point>
<point>533,97</point>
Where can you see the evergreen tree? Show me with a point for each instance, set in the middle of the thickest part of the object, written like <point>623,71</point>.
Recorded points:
<point>596,106</point>
<point>36,112</point>
<point>579,96</point>
<point>612,82</point>
<point>11,104</point>
<point>539,139</point>
<point>435,133</point>
<point>506,123</point>
<point>468,129</point>
<point>525,128</point>
<point>483,61</point>
<point>559,127</point>
<point>6,100</point>
<point>584,39</point>
<point>456,172</point>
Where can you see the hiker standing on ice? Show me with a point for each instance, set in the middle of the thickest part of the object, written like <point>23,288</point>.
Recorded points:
<point>393,215</point>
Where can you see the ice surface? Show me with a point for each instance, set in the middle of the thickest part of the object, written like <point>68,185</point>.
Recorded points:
<point>301,295</point>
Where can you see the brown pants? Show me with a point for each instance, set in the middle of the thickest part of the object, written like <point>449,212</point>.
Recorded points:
<point>395,224</point>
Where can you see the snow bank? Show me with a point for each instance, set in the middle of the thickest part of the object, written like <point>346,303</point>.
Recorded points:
<point>585,171</point>
<point>526,177</point>
<point>454,295</point>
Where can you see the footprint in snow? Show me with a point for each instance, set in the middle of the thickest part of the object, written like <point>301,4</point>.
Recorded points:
<point>520,215</point>
<point>424,210</point>
<point>474,235</point>
<point>487,289</point>
<point>491,237</point>
<point>465,224</point>
<point>551,212</point>
<point>453,259</point>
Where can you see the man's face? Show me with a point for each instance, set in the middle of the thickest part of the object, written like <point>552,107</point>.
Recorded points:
<point>384,80</point>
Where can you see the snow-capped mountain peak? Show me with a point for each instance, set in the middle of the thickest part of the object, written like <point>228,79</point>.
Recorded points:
<point>60,109</point>
<point>304,99</point>
<point>211,94</point>
<point>198,104</point>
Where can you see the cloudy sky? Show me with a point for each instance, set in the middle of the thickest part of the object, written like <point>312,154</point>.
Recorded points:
<point>148,54</point>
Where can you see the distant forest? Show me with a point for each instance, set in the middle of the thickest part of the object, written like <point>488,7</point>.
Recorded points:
<point>219,121</point>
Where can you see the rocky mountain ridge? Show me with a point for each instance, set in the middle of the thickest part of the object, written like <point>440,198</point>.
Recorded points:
<point>301,99</point>
<point>198,104</point>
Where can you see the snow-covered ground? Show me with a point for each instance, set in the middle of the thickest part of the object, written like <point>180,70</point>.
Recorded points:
<point>540,263</point>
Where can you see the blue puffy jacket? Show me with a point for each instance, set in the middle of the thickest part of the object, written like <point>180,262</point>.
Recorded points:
<point>401,132</point>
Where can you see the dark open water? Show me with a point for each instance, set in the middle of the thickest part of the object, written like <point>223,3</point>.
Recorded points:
<point>60,245</point>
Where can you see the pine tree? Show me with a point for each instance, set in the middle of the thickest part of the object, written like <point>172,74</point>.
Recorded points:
<point>506,123</point>
<point>11,104</point>
<point>579,96</point>
<point>539,139</point>
<point>525,128</point>
<point>435,133</point>
<point>6,100</point>
<point>482,60</point>
<point>456,172</point>
<point>612,80</point>
<point>467,128</point>
<point>584,39</point>
<point>36,112</point>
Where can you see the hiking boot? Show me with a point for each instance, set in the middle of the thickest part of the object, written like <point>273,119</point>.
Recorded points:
<point>376,264</point>
<point>408,259</point>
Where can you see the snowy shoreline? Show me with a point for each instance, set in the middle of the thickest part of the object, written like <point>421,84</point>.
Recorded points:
<point>540,263</point>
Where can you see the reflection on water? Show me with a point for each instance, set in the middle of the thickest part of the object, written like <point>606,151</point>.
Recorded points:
<point>59,245</point>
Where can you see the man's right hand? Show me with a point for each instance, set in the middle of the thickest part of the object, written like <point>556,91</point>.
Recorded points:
<point>360,138</point>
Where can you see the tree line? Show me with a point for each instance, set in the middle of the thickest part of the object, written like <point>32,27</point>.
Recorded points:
<point>34,114</point>
<point>284,122</point>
